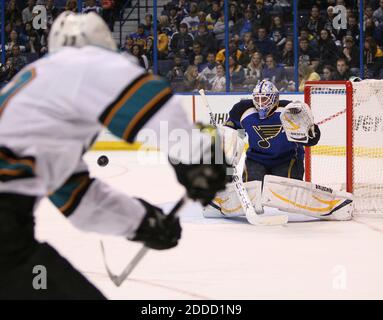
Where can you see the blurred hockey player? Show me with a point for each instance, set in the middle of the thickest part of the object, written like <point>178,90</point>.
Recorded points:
<point>50,114</point>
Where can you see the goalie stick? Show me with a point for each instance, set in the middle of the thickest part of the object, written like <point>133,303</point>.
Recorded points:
<point>118,280</point>
<point>251,215</point>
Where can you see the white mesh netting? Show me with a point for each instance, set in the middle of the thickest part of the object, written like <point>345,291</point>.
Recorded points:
<point>328,158</point>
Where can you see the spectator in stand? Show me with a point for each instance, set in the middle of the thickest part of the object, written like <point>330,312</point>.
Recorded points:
<point>128,46</point>
<point>163,24</point>
<point>342,70</point>
<point>306,73</point>
<point>199,62</point>
<point>192,81</point>
<point>264,44</point>
<point>351,54</point>
<point>248,50</point>
<point>237,74</point>
<point>202,18</point>
<point>287,57</point>
<point>205,39</point>
<point>162,43</point>
<point>328,51</point>
<point>378,35</point>
<point>183,7</point>
<point>378,13</point>
<point>315,23</point>
<point>261,17</point>
<point>149,49</point>
<point>52,11</point>
<point>91,6</point>
<point>220,58</point>
<point>274,73</point>
<point>305,34</point>
<point>219,81</point>
<point>254,71</point>
<point>170,11</point>
<point>14,41</point>
<point>12,12</point>
<point>205,6</point>
<point>353,27</point>
<point>281,6</point>
<point>181,42</point>
<point>139,37</point>
<point>197,50</point>
<point>33,44</point>
<point>234,14</point>
<point>373,59</point>
<point>19,61</point>
<point>278,33</point>
<point>214,15</point>
<point>308,55</point>
<point>245,25</point>
<point>244,41</point>
<point>7,72</point>
<point>192,20</point>
<point>148,24</point>
<point>219,30</point>
<point>108,7</point>
<point>329,19</point>
<point>137,51</point>
<point>369,14</point>
<point>27,14</point>
<point>71,5</point>
<point>210,70</point>
<point>369,28</point>
<point>176,75</point>
<point>328,73</point>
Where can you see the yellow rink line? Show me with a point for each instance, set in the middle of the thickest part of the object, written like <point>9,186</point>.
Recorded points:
<point>317,151</point>
<point>341,151</point>
<point>120,146</point>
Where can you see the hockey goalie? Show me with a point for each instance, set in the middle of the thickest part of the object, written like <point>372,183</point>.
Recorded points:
<point>277,131</point>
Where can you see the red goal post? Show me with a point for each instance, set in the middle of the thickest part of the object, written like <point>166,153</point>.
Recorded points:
<point>349,155</point>
<point>349,131</point>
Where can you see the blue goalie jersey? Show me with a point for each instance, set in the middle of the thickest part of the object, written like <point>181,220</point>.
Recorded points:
<point>268,144</point>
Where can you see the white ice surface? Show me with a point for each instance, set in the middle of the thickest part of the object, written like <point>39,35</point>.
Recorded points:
<point>218,258</point>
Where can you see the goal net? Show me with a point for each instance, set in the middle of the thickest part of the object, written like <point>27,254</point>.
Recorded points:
<point>349,155</point>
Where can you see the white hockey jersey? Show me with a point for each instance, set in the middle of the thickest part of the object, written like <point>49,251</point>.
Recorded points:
<point>50,115</point>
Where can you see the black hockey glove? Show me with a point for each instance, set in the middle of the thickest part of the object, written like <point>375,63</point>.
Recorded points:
<point>157,230</point>
<point>203,181</point>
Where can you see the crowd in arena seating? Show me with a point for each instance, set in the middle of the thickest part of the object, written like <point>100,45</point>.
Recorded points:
<point>191,41</point>
<point>25,43</point>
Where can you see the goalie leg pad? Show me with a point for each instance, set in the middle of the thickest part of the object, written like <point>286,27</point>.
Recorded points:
<point>306,198</point>
<point>226,203</point>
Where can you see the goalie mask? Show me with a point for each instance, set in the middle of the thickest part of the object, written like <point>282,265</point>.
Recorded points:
<point>80,30</point>
<point>265,98</point>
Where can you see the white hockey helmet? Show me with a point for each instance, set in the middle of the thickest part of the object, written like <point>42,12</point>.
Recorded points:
<point>265,98</point>
<point>79,30</point>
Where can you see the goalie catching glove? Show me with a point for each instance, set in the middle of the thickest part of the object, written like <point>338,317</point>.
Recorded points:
<point>158,230</point>
<point>298,122</point>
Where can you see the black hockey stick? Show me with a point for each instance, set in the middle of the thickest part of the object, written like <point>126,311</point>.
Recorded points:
<point>118,280</point>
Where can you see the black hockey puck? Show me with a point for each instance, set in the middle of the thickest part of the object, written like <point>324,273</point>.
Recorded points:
<point>102,161</point>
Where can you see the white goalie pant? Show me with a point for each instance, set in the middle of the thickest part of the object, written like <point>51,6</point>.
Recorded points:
<point>306,198</point>
<point>226,203</point>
